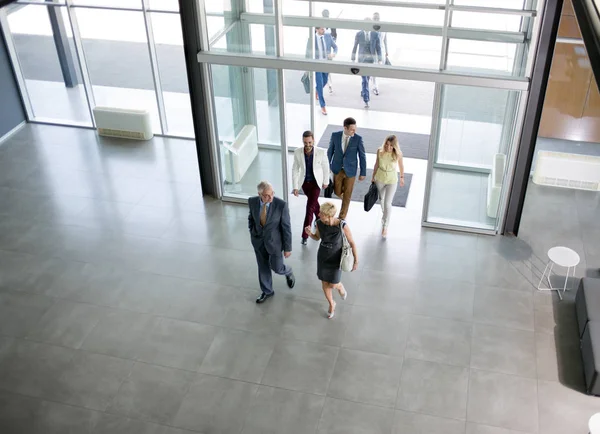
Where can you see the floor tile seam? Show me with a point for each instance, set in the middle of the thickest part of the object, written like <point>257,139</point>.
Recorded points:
<point>249,409</point>
<point>482,322</point>
<point>30,329</point>
<point>58,300</point>
<point>339,347</point>
<point>153,314</point>
<point>582,237</point>
<point>421,413</point>
<point>446,364</point>
<point>489,371</point>
<point>404,358</point>
<point>34,194</point>
<point>499,327</point>
<point>391,408</point>
<point>455,320</point>
<point>137,359</point>
<point>537,374</point>
<point>53,401</point>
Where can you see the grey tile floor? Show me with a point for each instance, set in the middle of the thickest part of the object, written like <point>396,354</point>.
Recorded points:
<point>127,306</point>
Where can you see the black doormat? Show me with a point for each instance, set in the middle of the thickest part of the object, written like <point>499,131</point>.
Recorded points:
<point>412,145</point>
<point>361,188</point>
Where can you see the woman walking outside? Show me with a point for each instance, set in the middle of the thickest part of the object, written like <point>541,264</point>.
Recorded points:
<point>385,176</point>
<point>329,230</point>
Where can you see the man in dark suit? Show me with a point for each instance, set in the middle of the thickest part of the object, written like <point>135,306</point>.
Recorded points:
<point>325,49</point>
<point>346,149</point>
<point>271,236</point>
<point>368,45</point>
<point>333,32</point>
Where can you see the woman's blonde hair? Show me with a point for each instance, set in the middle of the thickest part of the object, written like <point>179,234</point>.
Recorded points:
<point>395,146</point>
<point>328,209</point>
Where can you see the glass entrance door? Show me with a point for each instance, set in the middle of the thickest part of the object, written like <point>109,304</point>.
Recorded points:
<point>469,62</point>
<point>471,148</point>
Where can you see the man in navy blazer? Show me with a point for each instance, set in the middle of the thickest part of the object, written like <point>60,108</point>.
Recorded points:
<point>325,49</point>
<point>368,45</point>
<point>346,150</point>
<point>271,237</point>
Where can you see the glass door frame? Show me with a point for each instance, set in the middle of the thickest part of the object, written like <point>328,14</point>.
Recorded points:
<point>280,63</point>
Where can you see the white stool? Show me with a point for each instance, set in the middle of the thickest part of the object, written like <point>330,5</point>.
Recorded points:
<point>564,257</point>
<point>594,424</point>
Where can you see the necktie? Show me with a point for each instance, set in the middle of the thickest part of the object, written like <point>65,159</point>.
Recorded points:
<point>346,140</point>
<point>323,48</point>
<point>367,38</point>
<point>263,215</point>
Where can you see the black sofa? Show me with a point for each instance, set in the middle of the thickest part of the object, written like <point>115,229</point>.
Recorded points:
<point>587,306</point>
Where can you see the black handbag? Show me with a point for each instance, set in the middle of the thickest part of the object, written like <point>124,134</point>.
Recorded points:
<point>306,82</point>
<point>371,197</point>
<point>329,189</point>
<point>387,62</point>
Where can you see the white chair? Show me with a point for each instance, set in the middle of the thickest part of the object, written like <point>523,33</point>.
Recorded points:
<point>240,154</point>
<point>495,180</point>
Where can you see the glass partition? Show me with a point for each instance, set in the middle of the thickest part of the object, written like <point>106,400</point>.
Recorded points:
<point>54,84</point>
<point>472,146</point>
<point>72,56</point>
<point>248,126</point>
<point>115,47</point>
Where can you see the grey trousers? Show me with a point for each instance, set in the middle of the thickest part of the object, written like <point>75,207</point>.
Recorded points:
<point>386,195</point>
<point>266,263</point>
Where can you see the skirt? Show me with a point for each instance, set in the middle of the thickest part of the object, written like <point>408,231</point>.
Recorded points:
<point>328,264</point>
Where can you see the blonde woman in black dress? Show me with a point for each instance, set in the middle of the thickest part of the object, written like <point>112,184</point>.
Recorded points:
<point>329,230</point>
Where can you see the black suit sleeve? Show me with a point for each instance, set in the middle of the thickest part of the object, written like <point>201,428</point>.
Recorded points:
<point>251,223</point>
<point>286,228</point>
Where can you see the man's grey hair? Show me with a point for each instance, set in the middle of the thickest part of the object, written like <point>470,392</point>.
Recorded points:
<point>264,185</point>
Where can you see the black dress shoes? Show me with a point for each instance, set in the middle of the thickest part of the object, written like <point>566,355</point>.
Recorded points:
<point>264,297</point>
<point>304,240</point>
<point>291,280</point>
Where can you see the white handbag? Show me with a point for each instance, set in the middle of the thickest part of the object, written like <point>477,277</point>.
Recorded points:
<point>347,262</point>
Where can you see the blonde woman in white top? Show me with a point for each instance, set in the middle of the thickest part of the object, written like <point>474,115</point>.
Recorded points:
<point>385,176</point>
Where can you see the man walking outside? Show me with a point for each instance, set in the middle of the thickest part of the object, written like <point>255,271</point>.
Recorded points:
<point>311,167</point>
<point>384,47</point>
<point>369,50</point>
<point>325,49</point>
<point>333,32</point>
<point>346,150</point>
<point>271,237</point>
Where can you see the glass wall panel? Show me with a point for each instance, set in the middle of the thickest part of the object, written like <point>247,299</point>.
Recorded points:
<point>248,125</point>
<point>164,5</point>
<point>479,57</point>
<point>258,39</point>
<point>474,134</point>
<point>258,6</point>
<point>394,14</point>
<point>486,21</point>
<point>116,51</point>
<point>173,74</point>
<point>404,49</point>
<point>54,85</point>
<point>297,107</point>
<point>220,14</point>
<point>489,57</point>
<point>505,4</point>
<point>137,4</point>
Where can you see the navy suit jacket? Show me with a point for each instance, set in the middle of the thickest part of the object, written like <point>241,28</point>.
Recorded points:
<point>349,159</point>
<point>276,234</point>
<point>330,46</point>
<point>367,52</point>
